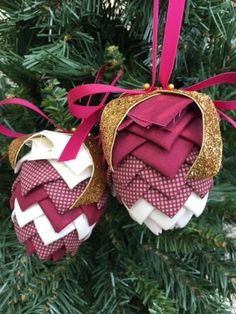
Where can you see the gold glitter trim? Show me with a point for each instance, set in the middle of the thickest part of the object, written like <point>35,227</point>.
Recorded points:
<point>97,183</point>
<point>112,116</point>
<point>15,147</point>
<point>208,161</point>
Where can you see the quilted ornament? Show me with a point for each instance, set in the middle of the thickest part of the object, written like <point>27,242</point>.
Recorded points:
<point>163,150</point>
<point>55,204</point>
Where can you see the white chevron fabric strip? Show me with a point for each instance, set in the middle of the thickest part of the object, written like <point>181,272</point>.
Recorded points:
<point>153,226</point>
<point>70,178</point>
<point>82,226</point>
<point>49,145</point>
<point>196,204</point>
<point>164,221</point>
<point>45,230</point>
<point>140,211</point>
<point>24,217</point>
<point>156,221</point>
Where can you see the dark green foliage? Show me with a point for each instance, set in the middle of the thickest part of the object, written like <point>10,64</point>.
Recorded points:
<point>47,47</point>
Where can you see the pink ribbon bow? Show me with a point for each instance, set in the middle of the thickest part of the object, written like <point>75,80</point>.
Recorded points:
<point>90,115</point>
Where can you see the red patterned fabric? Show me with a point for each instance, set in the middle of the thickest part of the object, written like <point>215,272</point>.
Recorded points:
<point>168,195</point>
<point>58,221</point>
<point>154,151</point>
<point>26,233</point>
<point>38,182</point>
<point>61,196</point>
<point>35,173</point>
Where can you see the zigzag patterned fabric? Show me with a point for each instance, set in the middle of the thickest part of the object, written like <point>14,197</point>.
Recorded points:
<point>152,154</point>
<point>42,198</point>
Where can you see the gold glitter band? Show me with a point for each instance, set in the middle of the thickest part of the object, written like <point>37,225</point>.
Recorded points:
<point>97,183</point>
<point>15,148</point>
<point>208,161</point>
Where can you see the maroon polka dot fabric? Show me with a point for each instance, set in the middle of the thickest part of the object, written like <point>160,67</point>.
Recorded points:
<point>38,182</point>
<point>154,151</point>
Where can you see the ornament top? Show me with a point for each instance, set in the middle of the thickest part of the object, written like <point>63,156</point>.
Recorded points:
<point>49,145</point>
<point>208,162</point>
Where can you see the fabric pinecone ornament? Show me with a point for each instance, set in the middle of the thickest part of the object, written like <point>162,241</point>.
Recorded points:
<point>55,204</point>
<point>163,149</point>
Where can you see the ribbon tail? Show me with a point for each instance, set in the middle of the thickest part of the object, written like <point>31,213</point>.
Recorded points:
<point>225,105</point>
<point>22,103</point>
<point>171,38</point>
<point>99,75</point>
<point>78,92</point>
<point>223,78</point>
<point>9,133</point>
<point>77,139</point>
<point>154,40</point>
<point>227,118</point>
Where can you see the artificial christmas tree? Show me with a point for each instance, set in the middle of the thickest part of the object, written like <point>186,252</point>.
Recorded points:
<point>47,48</point>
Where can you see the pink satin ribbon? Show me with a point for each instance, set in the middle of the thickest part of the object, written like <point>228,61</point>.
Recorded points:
<point>171,38</point>
<point>155,14</point>
<point>23,103</point>
<point>90,115</point>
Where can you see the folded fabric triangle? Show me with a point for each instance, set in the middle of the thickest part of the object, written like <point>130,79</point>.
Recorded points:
<point>160,110</point>
<point>48,145</point>
<point>144,213</point>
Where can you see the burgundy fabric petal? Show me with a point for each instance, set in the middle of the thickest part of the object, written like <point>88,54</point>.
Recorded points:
<point>128,169</point>
<point>71,242</point>
<point>193,132</point>
<point>35,173</point>
<point>38,194</point>
<point>61,195</point>
<point>125,144</point>
<point>159,136</point>
<point>201,187</point>
<point>92,213</point>
<point>161,159</point>
<point>168,187</point>
<point>45,251</point>
<point>15,184</point>
<point>192,156</point>
<point>136,189</point>
<point>56,256</point>
<point>126,122</point>
<point>140,122</point>
<point>23,234</point>
<point>131,121</point>
<point>103,200</point>
<point>29,247</point>
<point>169,206</point>
<point>58,221</point>
<point>160,110</point>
